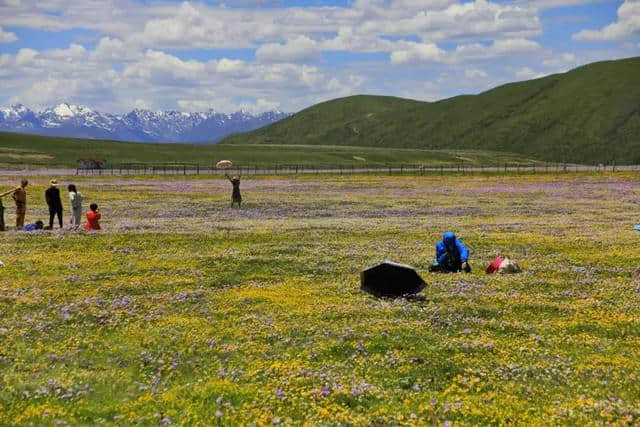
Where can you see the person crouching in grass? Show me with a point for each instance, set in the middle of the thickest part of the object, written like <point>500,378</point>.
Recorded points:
<point>452,256</point>
<point>93,218</point>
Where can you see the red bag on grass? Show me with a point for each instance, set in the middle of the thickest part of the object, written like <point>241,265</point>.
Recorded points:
<point>494,266</point>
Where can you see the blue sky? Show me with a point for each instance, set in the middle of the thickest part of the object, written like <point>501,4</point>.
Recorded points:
<point>115,55</point>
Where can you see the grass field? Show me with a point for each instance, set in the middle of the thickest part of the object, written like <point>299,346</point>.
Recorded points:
<point>20,151</point>
<point>184,311</point>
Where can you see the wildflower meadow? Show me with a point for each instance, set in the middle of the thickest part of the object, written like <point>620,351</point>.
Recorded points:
<point>183,311</point>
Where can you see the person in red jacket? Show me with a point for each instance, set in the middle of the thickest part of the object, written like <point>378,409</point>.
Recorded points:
<point>93,218</point>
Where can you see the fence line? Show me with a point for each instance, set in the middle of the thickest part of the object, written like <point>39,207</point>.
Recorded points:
<point>395,169</point>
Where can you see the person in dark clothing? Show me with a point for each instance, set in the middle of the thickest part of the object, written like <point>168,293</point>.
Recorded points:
<point>452,256</point>
<point>52,196</point>
<point>1,216</point>
<point>235,194</point>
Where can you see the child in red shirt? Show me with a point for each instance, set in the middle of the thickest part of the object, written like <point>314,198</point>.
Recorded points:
<point>93,216</point>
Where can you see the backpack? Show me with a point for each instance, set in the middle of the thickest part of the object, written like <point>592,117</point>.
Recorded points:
<point>494,266</point>
<point>76,201</point>
<point>508,267</point>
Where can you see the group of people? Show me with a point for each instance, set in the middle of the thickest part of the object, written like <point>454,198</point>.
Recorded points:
<point>452,255</point>
<point>54,202</point>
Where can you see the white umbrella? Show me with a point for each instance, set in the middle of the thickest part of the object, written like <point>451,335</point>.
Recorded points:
<point>224,164</point>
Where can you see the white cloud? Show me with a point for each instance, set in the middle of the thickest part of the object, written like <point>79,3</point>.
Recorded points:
<point>418,52</point>
<point>295,50</point>
<point>25,56</point>
<point>74,52</point>
<point>496,49</point>
<point>550,4</point>
<point>196,25</point>
<point>9,3</point>
<point>159,67</point>
<point>227,104</point>
<point>235,66</point>
<point>7,37</point>
<point>148,52</point>
<point>527,73</point>
<point>48,92</point>
<point>412,53</point>
<point>141,104</point>
<point>158,80</point>
<point>480,18</point>
<point>115,50</point>
<point>475,73</point>
<point>561,61</point>
<point>628,25</point>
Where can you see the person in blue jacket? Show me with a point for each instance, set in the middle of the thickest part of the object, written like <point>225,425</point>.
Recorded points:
<point>452,255</point>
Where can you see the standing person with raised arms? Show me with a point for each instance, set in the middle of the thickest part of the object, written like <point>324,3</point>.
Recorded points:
<point>52,197</point>
<point>19,196</point>
<point>235,194</point>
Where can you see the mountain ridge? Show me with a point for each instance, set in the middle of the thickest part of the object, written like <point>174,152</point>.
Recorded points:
<point>138,125</point>
<point>587,115</point>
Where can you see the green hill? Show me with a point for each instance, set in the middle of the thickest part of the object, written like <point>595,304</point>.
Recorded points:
<point>19,151</point>
<point>587,115</point>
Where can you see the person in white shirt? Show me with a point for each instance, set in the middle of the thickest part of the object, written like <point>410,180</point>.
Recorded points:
<point>76,206</point>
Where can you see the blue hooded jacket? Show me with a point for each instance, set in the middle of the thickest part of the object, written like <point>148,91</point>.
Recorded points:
<point>30,227</point>
<point>451,246</point>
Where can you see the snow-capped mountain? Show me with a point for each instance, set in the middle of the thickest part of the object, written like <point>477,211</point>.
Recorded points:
<point>139,125</point>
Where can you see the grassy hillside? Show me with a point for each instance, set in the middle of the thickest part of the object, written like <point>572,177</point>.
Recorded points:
<point>588,115</point>
<point>17,151</point>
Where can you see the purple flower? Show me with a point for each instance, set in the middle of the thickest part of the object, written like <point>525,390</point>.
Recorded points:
<point>74,279</point>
